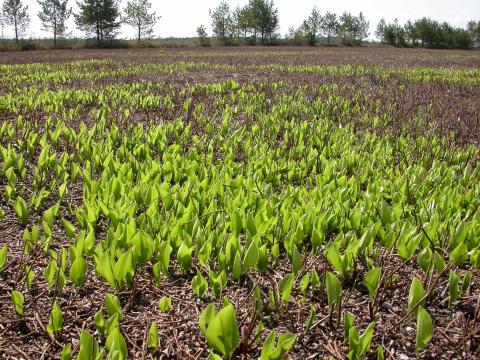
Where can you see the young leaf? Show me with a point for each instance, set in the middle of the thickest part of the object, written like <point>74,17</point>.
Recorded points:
<point>17,301</point>
<point>113,305</point>
<point>153,337</point>
<point>424,328</point>
<point>415,294</point>
<point>69,228</point>
<point>372,281</point>
<point>165,304</point>
<point>222,332</point>
<point>55,325</point>
<point>3,256</point>
<point>66,352</point>
<point>199,284</point>
<point>334,289</point>
<point>88,347</point>
<point>285,286</point>
<point>251,256</point>
<point>116,341</point>
<point>453,282</point>
<point>78,270</point>
<point>21,210</point>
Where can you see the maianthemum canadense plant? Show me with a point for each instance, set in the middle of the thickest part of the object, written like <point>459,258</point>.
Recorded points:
<point>264,188</point>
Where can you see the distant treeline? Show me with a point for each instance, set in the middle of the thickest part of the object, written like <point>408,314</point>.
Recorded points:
<point>429,33</point>
<point>255,23</point>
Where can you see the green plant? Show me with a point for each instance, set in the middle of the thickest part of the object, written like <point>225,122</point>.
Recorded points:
<point>220,329</point>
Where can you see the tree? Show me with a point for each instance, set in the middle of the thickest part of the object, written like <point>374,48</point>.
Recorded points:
<point>222,22</point>
<point>2,23</point>
<point>53,15</point>
<point>202,35</point>
<point>99,18</point>
<point>313,26</point>
<point>330,26</point>
<point>264,19</point>
<point>347,28</point>
<point>380,30</point>
<point>473,29</point>
<point>137,15</point>
<point>361,28</point>
<point>241,18</point>
<point>15,15</point>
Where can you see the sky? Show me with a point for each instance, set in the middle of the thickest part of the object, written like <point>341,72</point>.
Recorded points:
<point>180,18</point>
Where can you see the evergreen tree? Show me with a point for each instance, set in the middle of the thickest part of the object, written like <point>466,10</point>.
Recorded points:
<point>137,15</point>
<point>264,19</point>
<point>222,22</point>
<point>313,26</point>
<point>53,15</point>
<point>15,15</point>
<point>330,26</point>
<point>99,18</point>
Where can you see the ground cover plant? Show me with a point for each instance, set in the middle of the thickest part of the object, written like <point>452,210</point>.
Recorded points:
<point>240,204</point>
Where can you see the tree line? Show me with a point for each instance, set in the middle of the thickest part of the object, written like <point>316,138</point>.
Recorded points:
<point>255,23</point>
<point>100,19</point>
<point>428,33</point>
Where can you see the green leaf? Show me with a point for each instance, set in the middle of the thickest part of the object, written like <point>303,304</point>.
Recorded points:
<point>334,258</point>
<point>66,352</point>
<point>251,256</point>
<point>380,354</point>
<point>311,318</point>
<point>17,301</point>
<point>460,254</point>
<point>116,341</point>
<point>304,283</point>
<point>103,266</point>
<point>124,271</point>
<point>236,223</point>
<point>222,332</point>
<point>453,282</point>
<point>199,284</point>
<point>268,346</point>
<point>285,286</point>
<point>69,228</point>
<point>334,289</point>
<point>415,294</point>
<point>78,270</point>
<point>100,322</point>
<point>424,328</point>
<point>3,256</point>
<point>296,260</point>
<point>55,325</point>
<point>165,304</point>
<point>207,315</point>
<point>21,210</point>
<point>348,323</point>
<point>184,257</point>
<point>88,347</point>
<point>424,259</point>
<point>112,303</point>
<point>317,238</point>
<point>270,351</point>
<point>153,336</point>
<point>372,281</point>
<point>237,267</point>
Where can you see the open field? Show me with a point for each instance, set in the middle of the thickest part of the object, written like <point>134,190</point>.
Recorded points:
<point>330,195</point>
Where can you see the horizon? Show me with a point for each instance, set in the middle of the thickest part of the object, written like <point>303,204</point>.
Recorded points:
<point>290,15</point>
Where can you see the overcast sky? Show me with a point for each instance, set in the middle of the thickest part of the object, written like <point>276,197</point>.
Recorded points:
<point>180,18</point>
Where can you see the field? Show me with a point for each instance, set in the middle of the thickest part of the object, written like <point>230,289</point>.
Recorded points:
<point>240,203</point>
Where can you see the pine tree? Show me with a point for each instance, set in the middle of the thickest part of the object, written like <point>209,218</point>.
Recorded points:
<point>15,15</point>
<point>99,18</point>
<point>53,15</point>
<point>137,15</point>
